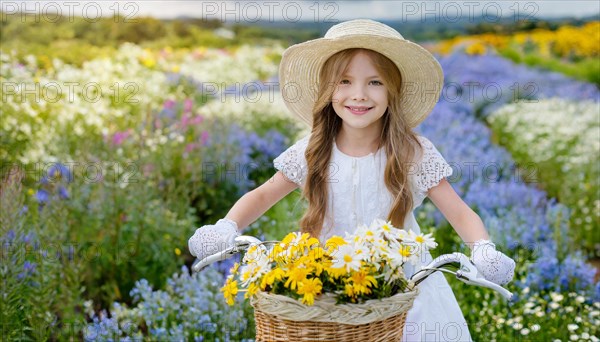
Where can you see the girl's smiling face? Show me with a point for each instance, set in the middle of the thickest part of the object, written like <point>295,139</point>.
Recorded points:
<point>361,98</point>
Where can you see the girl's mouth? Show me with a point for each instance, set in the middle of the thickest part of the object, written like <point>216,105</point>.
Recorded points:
<point>358,110</point>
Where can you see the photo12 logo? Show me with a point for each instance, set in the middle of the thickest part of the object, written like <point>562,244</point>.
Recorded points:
<point>453,11</point>
<point>52,91</point>
<point>270,11</point>
<point>53,11</point>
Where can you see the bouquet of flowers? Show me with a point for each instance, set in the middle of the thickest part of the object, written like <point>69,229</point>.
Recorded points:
<point>362,266</point>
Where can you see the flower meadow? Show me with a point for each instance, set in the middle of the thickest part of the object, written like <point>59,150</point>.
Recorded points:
<point>106,174</point>
<point>567,41</point>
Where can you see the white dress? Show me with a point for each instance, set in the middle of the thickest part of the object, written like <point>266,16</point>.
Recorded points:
<point>357,194</point>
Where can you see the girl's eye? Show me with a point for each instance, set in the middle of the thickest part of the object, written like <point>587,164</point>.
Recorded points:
<point>344,82</point>
<point>375,82</point>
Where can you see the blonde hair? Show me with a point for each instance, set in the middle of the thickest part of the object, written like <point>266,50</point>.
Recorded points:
<point>400,142</point>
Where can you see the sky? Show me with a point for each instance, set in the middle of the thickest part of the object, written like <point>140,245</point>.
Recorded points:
<point>321,11</point>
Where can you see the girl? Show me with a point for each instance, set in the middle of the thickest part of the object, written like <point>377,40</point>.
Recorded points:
<point>363,88</point>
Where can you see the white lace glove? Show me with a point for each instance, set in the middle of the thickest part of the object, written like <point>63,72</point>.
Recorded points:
<point>494,265</point>
<point>210,239</point>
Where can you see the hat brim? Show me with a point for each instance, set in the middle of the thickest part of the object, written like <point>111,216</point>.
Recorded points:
<point>422,76</point>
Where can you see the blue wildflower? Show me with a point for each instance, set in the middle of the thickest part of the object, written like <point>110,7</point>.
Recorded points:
<point>59,172</point>
<point>63,192</point>
<point>42,196</point>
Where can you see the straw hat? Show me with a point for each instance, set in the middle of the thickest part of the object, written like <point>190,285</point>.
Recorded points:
<point>422,77</point>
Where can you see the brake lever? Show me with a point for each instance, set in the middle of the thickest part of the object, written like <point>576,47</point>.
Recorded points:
<point>241,243</point>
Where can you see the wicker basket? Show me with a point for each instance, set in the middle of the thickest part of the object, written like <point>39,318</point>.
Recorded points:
<point>281,318</point>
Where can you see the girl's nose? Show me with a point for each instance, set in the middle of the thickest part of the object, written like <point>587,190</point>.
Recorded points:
<point>358,93</point>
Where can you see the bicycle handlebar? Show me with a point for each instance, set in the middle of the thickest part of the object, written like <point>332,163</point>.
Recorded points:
<point>467,272</point>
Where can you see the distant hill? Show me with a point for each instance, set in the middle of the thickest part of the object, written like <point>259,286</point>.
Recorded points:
<point>430,29</point>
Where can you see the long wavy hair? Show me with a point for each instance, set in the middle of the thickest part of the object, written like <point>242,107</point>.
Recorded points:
<point>400,142</point>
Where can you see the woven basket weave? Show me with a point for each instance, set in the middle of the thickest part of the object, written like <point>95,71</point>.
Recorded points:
<point>281,318</point>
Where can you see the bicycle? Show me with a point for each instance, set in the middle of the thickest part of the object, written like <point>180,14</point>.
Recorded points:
<point>270,327</point>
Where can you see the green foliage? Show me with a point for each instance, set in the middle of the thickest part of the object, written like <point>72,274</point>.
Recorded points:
<point>258,34</point>
<point>41,276</point>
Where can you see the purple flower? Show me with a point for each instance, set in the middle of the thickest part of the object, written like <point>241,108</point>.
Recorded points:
<point>28,269</point>
<point>198,119</point>
<point>187,120</point>
<point>190,147</point>
<point>10,235</point>
<point>28,237</point>
<point>62,192</point>
<point>119,137</point>
<point>188,105</point>
<point>169,104</point>
<point>28,266</point>
<point>42,196</point>
<point>204,137</point>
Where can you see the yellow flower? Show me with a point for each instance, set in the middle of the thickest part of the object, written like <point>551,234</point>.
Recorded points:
<point>310,288</point>
<point>288,238</point>
<point>295,276</point>
<point>177,251</point>
<point>313,242</point>
<point>235,268</point>
<point>252,289</point>
<point>320,265</point>
<point>230,290</point>
<point>336,272</point>
<point>334,242</point>
<point>476,49</point>
<point>349,290</point>
<point>279,254</point>
<point>271,277</point>
<point>362,281</point>
<point>148,62</point>
<point>316,253</point>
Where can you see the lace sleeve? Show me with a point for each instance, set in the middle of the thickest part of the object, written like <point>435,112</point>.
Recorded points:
<point>293,163</point>
<point>431,169</point>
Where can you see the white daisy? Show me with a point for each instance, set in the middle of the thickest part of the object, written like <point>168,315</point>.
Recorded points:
<point>425,241</point>
<point>401,253</point>
<point>393,273</point>
<point>256,263</point>
<point>390,232</point>
<point>346,256</point>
